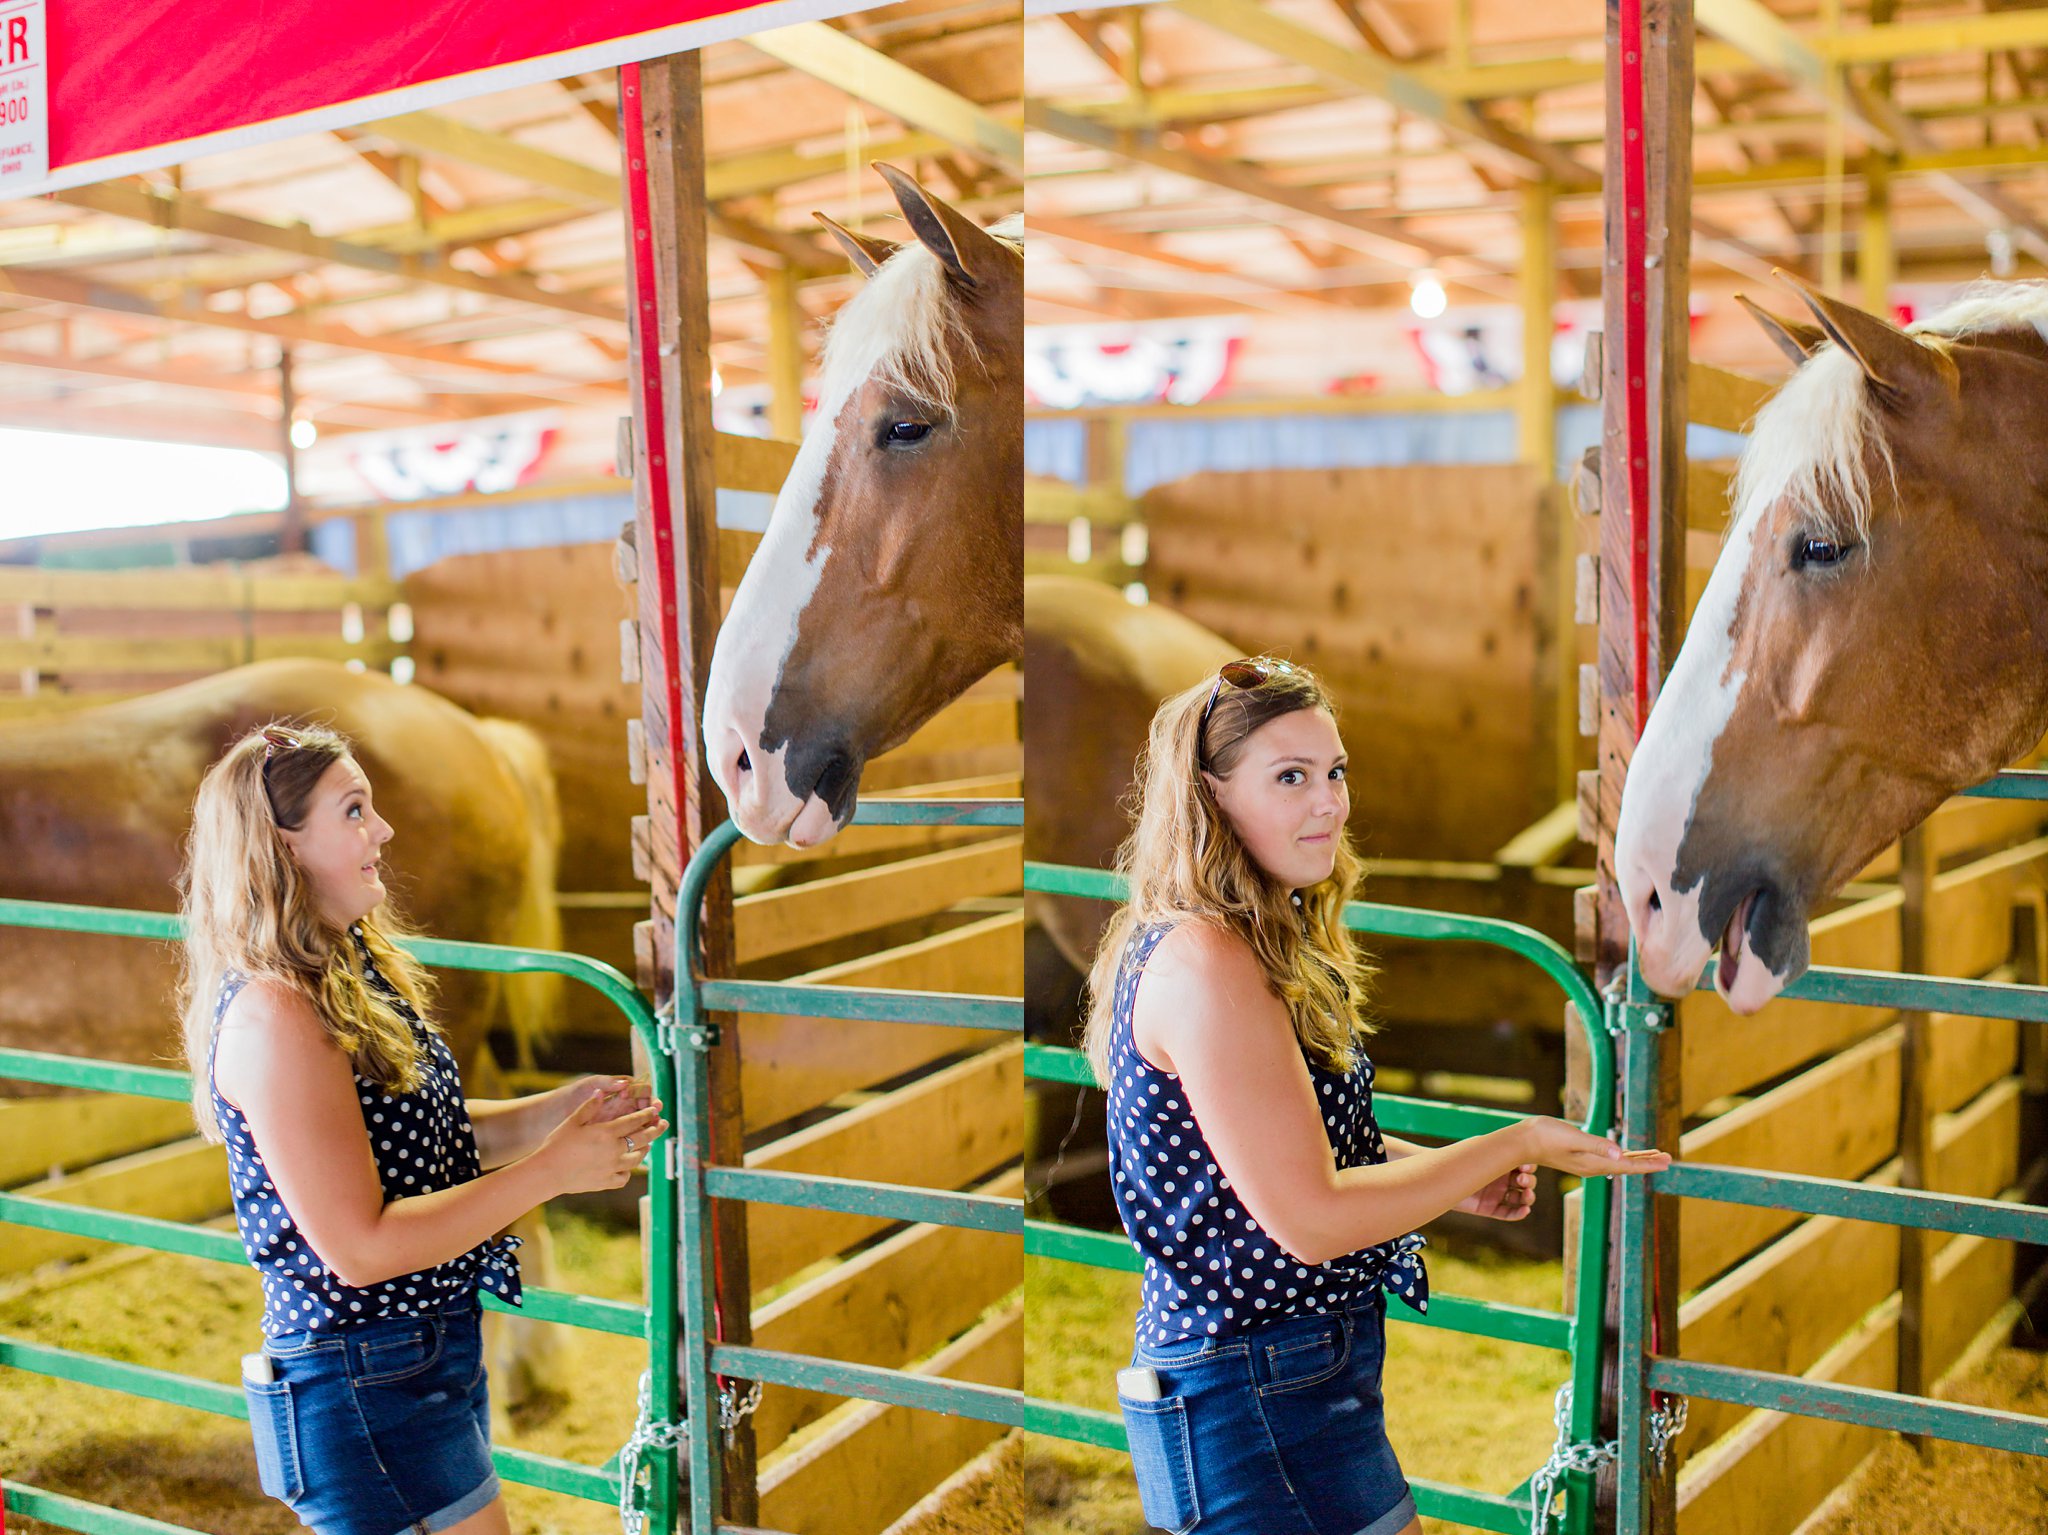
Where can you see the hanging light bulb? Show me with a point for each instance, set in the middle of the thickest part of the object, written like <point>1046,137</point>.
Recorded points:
<point>304,433</point>
<point>1998,245</point>
<point>717,382</point>
<point>1426,297</point>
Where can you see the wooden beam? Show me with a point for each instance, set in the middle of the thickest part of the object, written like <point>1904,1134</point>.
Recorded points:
<point>770,170</point>
<point>786,320</point>
<point>1386,237</point>
<point>1666,147</point>
<point>825,53</point>
<point>241,385</point>
<point>430,133</point>
<point>1220,279</point>
<point>180,211</point>
<point>1377,76</point>
<point>72,293</point>
<point>1761,34</point>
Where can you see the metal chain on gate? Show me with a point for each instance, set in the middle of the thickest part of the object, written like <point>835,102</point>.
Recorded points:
<point>1566,1455</point>
<point>1666,1424</point>
<point>733,1405</point>
<point>645,1436</point>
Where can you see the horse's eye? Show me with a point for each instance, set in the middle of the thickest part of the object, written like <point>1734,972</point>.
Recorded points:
<point>1820,551</point>
<point>908,431</point>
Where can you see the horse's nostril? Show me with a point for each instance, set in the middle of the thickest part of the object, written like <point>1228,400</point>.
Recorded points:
<point>1656,903</point>
<point>746,765</point>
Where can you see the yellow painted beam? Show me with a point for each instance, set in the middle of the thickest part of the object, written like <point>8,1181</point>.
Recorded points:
<point>173,211</point>
<point>429,133</point>
<point>1389,238</point>
<point>1368,72</point>
<point>866,74</point>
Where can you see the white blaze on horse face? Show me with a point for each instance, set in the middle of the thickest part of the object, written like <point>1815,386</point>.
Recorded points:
<point>758,634</point>
<point>1669,767</point>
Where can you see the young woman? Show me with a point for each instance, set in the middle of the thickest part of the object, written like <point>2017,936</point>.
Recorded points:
<point>368,1191</point>
<point>1271,1211</point>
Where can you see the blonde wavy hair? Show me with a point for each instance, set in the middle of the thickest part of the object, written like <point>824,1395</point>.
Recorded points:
<point>249,907</point>
<point>1184,862</point>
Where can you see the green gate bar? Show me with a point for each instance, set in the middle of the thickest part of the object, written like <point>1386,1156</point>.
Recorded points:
<point>1576,1334</point>
<point>699,1180</point>
<point>1643,1019</point>
<point>654,1322</point>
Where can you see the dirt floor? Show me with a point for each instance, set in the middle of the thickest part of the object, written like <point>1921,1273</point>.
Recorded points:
<point>1954,1489</point>
<point>1464,1410</point>
<point>196,1469</point>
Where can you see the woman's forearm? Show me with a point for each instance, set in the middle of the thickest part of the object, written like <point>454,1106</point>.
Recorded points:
<point>510,1128</point>
<point>1365,1206</point>
<point>426,1229</point>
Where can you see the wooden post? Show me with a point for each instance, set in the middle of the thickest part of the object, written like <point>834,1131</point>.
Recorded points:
<point>291,536</point>
<point>1666,145</point>
<point>785,356</point>
<point>1876,254</point>
<point>1536,446</point>
<point>1536,420</point>
<point>683,803</point>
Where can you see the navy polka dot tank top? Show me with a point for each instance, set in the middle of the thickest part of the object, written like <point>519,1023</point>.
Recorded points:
<point>422,1141</point>
<point>1209,1267</point>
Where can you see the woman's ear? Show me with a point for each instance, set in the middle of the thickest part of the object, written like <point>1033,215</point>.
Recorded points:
<point>1215,785</point>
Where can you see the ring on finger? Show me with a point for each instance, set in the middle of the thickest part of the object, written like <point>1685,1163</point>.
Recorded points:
<point>629,1144</point>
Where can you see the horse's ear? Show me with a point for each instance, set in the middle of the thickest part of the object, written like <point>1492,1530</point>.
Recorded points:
<point>1892,360</point>
<point>865,251</point>
<point>963,247</point>
<point>1795,339</point>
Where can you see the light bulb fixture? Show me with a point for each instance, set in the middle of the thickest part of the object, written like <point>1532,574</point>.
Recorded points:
<point>1998,245</point>
<point>717,382</point>
<point>304,433</point>
<point>1426,296</point>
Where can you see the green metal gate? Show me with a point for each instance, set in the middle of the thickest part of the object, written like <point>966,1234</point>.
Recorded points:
<point>654,1322</point>
<point>685,1041</point>
<point>1575,1333</point>
<point>1639,1018</point>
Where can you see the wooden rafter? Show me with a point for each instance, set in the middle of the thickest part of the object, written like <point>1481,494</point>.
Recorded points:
<point>183,211</point>
<point>866,74</point>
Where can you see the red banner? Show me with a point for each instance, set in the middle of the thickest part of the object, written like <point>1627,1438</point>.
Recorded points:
<point>136,84</point>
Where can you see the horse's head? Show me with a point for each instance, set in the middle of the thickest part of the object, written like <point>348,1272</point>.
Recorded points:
<point>1870,640</point>
<point>888,579</point>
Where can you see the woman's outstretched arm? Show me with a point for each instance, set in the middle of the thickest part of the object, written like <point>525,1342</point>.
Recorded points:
<point>1204,1011</point>
<point>510,1128</point>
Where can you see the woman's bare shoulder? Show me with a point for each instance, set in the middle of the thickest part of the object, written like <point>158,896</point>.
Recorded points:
<point>1204,949</point>
<point>269,1031</point>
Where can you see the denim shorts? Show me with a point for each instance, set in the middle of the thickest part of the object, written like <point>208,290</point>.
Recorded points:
<point>380,1427</point>
<point>1275,1430</point>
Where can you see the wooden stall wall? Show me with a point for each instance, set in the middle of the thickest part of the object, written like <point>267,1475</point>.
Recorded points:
<point>1835,1092</point>
<point>73,638</point>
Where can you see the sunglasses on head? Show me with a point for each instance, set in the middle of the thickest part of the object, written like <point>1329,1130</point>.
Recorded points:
<point>276,737</point>
<point>1252,672</point>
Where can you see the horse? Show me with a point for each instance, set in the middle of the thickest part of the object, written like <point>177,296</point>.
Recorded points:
<point>888,579</point>
<point>94,807</point>
<point>1098,667</point>
<point>1870,640</point>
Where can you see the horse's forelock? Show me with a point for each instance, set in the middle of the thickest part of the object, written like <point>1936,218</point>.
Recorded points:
<point>1809,443</point>
<point>896,329</point>
<point>901,329</point>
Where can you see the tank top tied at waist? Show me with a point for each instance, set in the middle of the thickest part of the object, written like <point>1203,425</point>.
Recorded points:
<point>422,1142</point>
<point>1209,1267</point>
